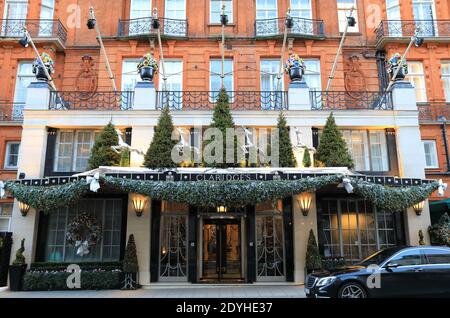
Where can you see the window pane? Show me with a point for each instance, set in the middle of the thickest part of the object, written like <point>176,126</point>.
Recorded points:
<point>216,70</point>
<point>266,9</point>
<point>312,74</point>
<point>175,9</point>
<point>446,80</point>
<point>437,256</point>
<point>344,8</point>
<point>417,78</point>
<point>24,77</point>
<point>408,258</point>
<point>12,155</point>
<point>430,154</point>
<point>216,10</point>
<point>140,9</point>
<point>64,151</point>
<point>378,151</point>
<point>130,75</point>
<point>301,9</point>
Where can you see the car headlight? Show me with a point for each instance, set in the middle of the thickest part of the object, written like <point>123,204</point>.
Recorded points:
<point>325,281</point>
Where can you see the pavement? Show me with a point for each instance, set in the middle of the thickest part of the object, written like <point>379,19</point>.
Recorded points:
<point>158,291</point>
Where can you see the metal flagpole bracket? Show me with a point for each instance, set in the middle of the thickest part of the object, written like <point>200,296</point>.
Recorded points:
<point>157,26</point>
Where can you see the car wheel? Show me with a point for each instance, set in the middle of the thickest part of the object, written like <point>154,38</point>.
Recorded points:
<point>352,290</point>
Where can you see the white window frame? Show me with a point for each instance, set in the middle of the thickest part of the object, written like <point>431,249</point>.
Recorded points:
<point>265,8</point>
<point>418,3</point>
<point>46,28</point>
<point>168,9</point>
<point>228,11</point>
<point>19,79</point>
<point>9,2</point>
<point>136,12</point>
<point>296,11</point>
<point>226,73</point>
<point>309,74</point>
<point>344,11</point>
<point>394,17</point>
<point>271,74</point>
<point>6,217</point>
<point>420,76</point>
<point>433,156</point>
<point>367,157</point>
<point>129,74</point>
<point>5,25</point>
<point>8,154</point>
<point>74,155</point>
<point>446,79</point>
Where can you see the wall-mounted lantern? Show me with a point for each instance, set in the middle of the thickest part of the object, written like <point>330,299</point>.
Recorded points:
<point>139,205</point>
<point>304,202</point>
<point>418,207</point>
<point>24,208</point>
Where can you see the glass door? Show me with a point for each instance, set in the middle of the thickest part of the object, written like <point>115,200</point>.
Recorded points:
<point>140,17</point>
<point>174,12</point>
<point>394,18</point>
<point>221,250</point>
<point>46,23</point>
<point>425,15</point>
<point>14,18</point>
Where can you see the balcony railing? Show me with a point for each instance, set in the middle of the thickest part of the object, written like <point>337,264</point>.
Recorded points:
<point>432,111</point>
<point>302,27</point>
<point>13,28</point>
<point>143,27</point>
<point>11,111</point>
<point>91,101</point>
<point>344,100</point>
<point>248,100</point>
<point>407,28</point>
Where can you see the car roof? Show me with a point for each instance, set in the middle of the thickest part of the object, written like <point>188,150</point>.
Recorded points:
<point>420,247</point>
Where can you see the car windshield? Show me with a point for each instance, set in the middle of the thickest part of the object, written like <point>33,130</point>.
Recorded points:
<point>378,258</point>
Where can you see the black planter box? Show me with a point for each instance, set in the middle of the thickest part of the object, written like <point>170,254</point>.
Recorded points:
<point>16,273</point>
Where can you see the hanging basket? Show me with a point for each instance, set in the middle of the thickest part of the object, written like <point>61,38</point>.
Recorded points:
<point>296,73</point>
<point>147,73</point>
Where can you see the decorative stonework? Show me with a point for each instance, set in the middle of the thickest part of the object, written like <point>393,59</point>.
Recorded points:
<point>355,80</point>
<point>86,80</point>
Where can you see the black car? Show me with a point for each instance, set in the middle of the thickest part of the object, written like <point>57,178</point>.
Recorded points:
<point>392,272</point>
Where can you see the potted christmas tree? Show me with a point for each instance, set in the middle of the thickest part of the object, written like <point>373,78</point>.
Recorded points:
<point>17,269</point>
<point>38,67</point>
<point>295,67</point>
<point>130,265</point>
<point>394,63</point>
<point>147,67</point>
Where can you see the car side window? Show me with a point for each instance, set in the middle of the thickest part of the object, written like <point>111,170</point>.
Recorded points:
<point>408,258</point>
<point>437,256</point>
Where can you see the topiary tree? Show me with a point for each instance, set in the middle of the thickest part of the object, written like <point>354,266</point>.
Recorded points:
<point>20,259</point>
<point>159,154</point>
<point>421,238</point>
<point>306,159</point>
<point>222,120</point>
<point>130,261</point>
<point>313,259</point>
<point>124,158</point>
<point>287,158</point>
<point>102,153</point>
<point>440,232</point>
<point>332,150</point>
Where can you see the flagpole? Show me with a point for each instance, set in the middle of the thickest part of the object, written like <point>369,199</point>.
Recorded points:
<point>103,50</point>
<point>156,25</point>
<point>223,21</point>
<point>288,25</point>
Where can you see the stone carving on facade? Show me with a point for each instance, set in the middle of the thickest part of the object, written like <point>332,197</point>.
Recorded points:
<point>86,80</point>
<point>354,77</point>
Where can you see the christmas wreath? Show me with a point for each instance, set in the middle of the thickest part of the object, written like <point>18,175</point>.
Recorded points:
<point>83,232</point>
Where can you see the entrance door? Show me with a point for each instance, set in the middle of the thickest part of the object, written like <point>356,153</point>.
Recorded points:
<point>221,250</point>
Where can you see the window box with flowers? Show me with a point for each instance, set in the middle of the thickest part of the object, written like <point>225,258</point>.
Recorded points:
<point>295,68</point>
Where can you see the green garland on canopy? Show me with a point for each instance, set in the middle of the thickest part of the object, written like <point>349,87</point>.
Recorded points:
<point>219,193</point>
<point>390,198</point>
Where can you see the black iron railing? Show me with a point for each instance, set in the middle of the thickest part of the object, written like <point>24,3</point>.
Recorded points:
<point>407,28</point>
<point>143,27</point>
<point>302,27</point>
<point>13,28</point>
<point>433,110</point>
<point>11,111</point>
<point>344,100</point>
<point>248,100</point>
<point>91,101</point>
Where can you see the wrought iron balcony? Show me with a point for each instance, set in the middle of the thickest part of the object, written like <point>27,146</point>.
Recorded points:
<point>242,100</point>
<point>344,100</point>
<point>91,101</point>
<point>11,111</point>
<point>143,27</point>
<point>306,28</point>
<point>13,28</point>
<point>433,110</point>
<point>407,28</point>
